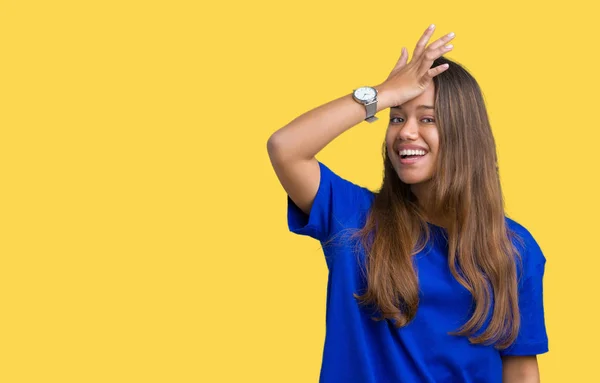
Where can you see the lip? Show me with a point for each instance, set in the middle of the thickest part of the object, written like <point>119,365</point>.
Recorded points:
<point>410,147</point>
<point>410,161</point>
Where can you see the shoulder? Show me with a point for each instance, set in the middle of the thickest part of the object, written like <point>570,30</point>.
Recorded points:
<point>520,235</point>
<point>339,204</point>
<point>532,338</point>
<point>530,251</point>
<point>517,227</point>
<point>347,195</point>
<point>349,202</point>
<point>330,175</point>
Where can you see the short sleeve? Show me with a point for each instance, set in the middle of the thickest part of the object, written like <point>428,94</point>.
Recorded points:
<point>532,338</point>
<point>338,204</point>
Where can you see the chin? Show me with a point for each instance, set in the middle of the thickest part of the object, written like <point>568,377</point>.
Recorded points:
<point>412,179</point>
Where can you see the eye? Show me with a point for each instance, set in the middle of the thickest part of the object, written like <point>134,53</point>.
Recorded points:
<point>397,120</point>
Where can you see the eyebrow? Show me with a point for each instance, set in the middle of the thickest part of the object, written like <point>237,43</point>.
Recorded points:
<point>418,107</point>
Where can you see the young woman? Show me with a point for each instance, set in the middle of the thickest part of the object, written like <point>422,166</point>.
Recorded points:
<point>429,281</point>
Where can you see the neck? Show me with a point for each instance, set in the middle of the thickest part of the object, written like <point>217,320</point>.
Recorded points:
<point>423,193</point>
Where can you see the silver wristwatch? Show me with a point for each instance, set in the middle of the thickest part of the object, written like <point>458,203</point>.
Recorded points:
<point>367,96</point>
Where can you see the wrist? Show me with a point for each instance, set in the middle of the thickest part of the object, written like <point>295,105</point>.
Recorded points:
<point>384,98</point>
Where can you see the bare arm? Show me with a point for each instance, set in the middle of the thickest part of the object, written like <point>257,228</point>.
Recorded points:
<point>292,149</point>
<point>520,369</point>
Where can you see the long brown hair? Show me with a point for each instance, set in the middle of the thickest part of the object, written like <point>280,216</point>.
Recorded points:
<point>465,189</point>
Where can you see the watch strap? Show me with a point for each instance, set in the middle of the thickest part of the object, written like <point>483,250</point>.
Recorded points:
<point>371,110</point>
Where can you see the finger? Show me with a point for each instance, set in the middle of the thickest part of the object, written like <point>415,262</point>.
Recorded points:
<point>441,41</point>
<point>422,43</point>
<point>431,73</point>
<point>402,60</point>
<point>430,55</point>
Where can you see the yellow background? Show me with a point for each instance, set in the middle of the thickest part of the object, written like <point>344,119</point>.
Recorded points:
<point>143,232</point>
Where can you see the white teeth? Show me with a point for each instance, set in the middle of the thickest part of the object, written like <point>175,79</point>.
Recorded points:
<point>407,152</point>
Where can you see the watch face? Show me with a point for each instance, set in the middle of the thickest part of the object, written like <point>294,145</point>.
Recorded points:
<point>365,93</point>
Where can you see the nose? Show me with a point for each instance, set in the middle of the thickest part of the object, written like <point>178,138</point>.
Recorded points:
<point>410,131</point>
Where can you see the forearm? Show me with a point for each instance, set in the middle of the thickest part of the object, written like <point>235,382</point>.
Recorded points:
<point>310,132</point>
<point>520,369</point>
<point>521,379</point>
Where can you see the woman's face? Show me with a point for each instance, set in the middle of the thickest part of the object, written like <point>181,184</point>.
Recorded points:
<point>412,138</point>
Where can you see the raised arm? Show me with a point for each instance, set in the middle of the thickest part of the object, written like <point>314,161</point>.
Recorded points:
<point>292,149</point>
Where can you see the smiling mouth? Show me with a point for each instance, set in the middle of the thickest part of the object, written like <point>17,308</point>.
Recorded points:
<point>409,159</point>
<point>405,154</point>
<point>411,153</point>
<point>411,156</point>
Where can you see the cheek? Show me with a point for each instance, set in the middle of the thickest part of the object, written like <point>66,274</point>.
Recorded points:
<point>389,142</point>
<point>433,140</point>
<point>388,135</point>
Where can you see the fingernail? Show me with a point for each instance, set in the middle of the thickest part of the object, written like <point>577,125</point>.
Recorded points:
<point>432,26</point>
<point>449,46</point>
<point>451,34</point>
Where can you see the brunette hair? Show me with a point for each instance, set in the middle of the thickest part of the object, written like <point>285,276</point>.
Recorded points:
<point>465,189</point>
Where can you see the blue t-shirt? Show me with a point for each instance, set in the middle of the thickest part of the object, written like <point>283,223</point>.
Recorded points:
<point>359,349</point>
